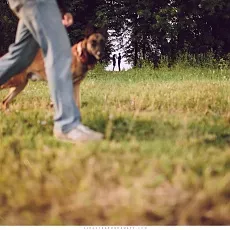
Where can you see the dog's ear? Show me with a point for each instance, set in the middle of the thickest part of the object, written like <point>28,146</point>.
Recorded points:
<point>103,31</point>
<point>90,29</point>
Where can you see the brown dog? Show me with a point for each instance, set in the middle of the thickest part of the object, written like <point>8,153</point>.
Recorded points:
<point>85,55</point>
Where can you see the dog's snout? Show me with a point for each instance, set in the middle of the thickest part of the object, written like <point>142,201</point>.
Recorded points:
<point>99,55</point>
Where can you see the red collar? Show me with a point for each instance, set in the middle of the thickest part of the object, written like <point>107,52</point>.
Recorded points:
<point>82,54</point>
<point>84,57</point>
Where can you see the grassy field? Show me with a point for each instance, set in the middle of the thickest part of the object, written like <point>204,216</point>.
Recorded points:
<point>165,159</point>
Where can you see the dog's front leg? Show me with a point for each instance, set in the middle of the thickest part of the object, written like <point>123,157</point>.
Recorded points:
<point>77,94</point>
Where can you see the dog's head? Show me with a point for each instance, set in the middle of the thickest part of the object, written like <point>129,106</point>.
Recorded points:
<point>95,45</point>
<point>95,41</point>
<point>91,48</point>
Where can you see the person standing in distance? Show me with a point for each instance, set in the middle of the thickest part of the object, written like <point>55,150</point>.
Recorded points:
<point>119,61</point>
<point>114,61</point>
<point>42,26</point>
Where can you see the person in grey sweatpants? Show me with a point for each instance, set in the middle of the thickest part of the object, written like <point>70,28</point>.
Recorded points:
<point>40,25</point>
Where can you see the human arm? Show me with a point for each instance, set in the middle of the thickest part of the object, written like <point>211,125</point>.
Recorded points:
<point>67,18</point>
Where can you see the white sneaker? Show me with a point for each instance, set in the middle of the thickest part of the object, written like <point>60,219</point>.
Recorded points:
<point>79,134</point>
<point>89,131</point>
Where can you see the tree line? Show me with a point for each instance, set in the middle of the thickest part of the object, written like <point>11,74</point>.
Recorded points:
<point>147,30</point>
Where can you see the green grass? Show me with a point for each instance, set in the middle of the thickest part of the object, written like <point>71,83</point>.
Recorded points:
<point>165,159</point>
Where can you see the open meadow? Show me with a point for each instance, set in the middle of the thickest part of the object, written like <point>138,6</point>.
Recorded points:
<point>165,159</point>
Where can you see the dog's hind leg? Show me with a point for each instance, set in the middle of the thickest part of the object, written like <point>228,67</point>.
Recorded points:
<point>14,91</point>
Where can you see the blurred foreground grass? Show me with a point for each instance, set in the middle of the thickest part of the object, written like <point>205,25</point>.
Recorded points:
<point>165,159</point>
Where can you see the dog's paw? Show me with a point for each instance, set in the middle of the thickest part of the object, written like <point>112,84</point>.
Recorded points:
<point>4,106</point>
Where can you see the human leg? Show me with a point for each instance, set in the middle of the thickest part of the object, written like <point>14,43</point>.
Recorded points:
<point>21,53</point>
<point>43,19</point>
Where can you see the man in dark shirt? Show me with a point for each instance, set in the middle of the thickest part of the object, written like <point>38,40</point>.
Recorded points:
<point>40,25</point>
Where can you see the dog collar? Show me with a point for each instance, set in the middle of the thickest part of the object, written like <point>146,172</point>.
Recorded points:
<point>82,54</point>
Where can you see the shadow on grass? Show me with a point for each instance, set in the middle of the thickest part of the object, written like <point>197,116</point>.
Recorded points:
<point>127,128</point>
<point>208,131</point>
